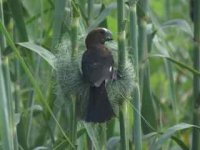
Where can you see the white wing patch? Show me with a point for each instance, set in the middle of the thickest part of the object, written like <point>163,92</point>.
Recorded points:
<point>110,69</point>
<point>106,30</point>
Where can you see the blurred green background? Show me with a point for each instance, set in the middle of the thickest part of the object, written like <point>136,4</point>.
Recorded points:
<point>33,115</point>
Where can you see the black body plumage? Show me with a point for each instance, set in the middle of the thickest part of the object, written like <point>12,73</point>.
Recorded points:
<point>97,68</point>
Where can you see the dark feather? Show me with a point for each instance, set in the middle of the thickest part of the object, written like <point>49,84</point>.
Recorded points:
<point>99,108</point>
<point>97,67</point>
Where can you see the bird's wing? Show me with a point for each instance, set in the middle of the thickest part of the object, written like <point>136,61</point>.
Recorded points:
<point>97,69</point>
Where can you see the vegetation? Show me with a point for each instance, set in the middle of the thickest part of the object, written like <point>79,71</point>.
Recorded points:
<point>161,106</point>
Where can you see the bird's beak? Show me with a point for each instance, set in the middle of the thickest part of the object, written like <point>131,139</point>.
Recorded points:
<point>108,36</point>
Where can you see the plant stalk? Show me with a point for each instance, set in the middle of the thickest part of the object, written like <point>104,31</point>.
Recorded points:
<point>17,13</point>
<point>196,79</point>
<point>90,10</point>
<point>58,20</point>
<point>121,65</point>
<point>6,135</point>
<point>74,28</point>
<point>2,38</point>
<point>137,134</point>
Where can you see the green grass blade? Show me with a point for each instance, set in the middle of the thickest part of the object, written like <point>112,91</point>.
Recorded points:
<point>44,53</point>
<point>90,10</point>
<point>180,24</point>
<point>147,102</point>
<point>10,104</point>
<point>172,92</point>
<point>5,126</point>
<point>113,143</point>
<point>180,64</point>
<point>74,29</point>
<point>170,131</point>
<point>180,143</point>
<point>93,135</point>
<point>2,38</point>
<point>103,15</point>
<point>58,20</point>
<point>6,131</point>
<point>17,13</point>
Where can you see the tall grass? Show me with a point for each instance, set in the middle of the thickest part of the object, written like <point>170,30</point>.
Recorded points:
<point>134,58</point>
<point>155,36</point>
<point>8,133</point>
<point>121,65</point>
<point>17,13</point>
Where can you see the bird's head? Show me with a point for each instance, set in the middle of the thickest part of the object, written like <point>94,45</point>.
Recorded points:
<point>98,36</point>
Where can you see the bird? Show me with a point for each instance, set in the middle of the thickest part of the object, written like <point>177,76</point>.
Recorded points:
<point>97,69</point>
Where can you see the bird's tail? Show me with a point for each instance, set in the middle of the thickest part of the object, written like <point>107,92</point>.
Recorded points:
<point>99,108</point>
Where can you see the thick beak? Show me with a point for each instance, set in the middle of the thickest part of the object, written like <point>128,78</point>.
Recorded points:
<point>108,36</point>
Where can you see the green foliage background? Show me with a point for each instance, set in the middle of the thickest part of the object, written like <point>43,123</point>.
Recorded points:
<point>33,112</point>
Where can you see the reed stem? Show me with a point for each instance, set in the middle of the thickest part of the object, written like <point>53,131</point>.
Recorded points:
<point>121,65</point>
<point>137,134</point>
<point>196,79</point>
